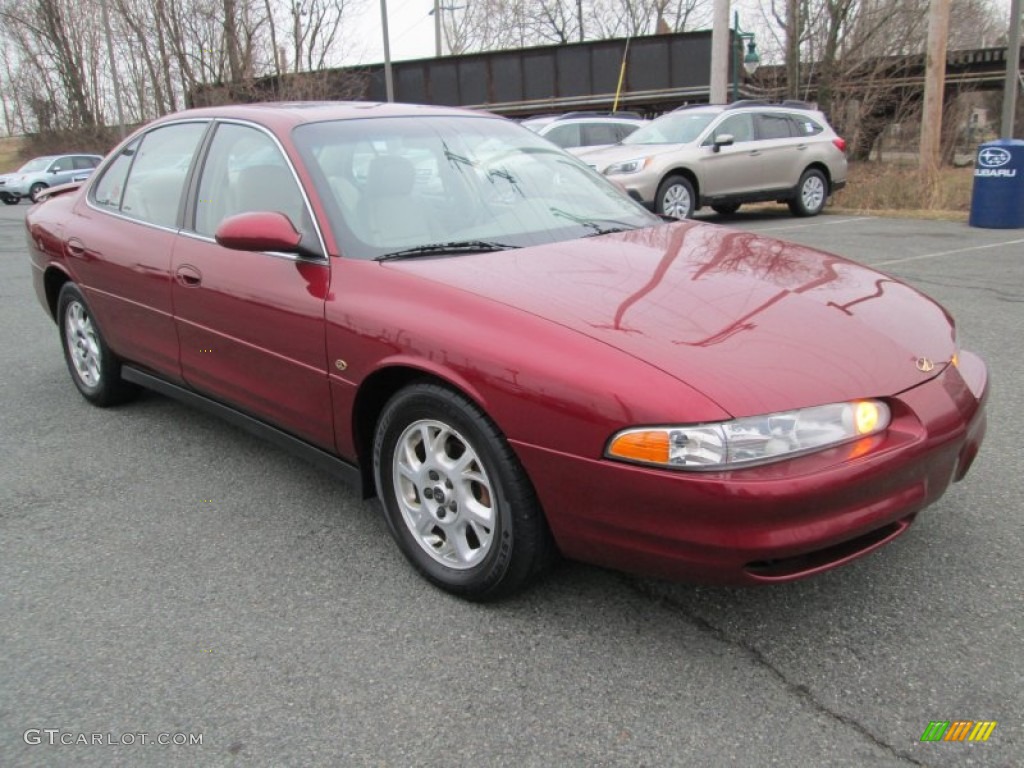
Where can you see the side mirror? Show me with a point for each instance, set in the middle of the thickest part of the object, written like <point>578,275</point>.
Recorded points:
<point>723,140</point>
<point>259,231</point>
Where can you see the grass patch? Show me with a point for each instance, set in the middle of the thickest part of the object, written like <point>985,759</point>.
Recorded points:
<point>10,154</point>
<point>896,190</point>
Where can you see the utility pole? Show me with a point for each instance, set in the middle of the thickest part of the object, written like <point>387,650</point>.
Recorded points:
<point>579,17</point>
<point>389,83</point>
<point>720,53</point>
<point>934,87</point>
<point>1012,71</point>
<point>437,28</point>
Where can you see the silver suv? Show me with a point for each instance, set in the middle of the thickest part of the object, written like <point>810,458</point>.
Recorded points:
<point>42,172</point>
<point>724,156</point>
<point>585,129</point>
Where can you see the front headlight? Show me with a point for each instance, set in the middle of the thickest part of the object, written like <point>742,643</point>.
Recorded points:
<point>629,166</point>
<point>752,440</point>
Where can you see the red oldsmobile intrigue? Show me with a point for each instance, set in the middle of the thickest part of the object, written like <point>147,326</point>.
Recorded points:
<point>514,356</point>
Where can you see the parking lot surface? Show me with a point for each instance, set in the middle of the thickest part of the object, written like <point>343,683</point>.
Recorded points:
<point>164,573</point>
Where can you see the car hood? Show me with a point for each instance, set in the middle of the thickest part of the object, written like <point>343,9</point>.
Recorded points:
<point>618,153</point>
<point>756,324</point>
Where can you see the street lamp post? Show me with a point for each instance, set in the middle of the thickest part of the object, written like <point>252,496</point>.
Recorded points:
<point>751,60</point>
<point>436,13</point>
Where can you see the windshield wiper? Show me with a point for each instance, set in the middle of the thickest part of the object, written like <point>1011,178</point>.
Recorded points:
<point>597,226</point>
<point>440,249</point>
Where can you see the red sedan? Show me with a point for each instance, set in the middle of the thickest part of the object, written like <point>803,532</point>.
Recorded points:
<point>517,359</point>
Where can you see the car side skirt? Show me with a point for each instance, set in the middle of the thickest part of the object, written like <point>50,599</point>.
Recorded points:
<point>328,462</point>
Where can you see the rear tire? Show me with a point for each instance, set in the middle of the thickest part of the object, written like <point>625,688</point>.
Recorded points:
<point>675,198</point>
<point>35,189</point>
<point>811,194</point>
<point>93,367</point>
<point>456,499</point>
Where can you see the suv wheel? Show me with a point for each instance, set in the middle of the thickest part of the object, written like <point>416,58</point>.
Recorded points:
<point>726,209</point>
<point>675,198</point>
<point>8,199</point>
<point>34,191</point>
<point>811,193</point>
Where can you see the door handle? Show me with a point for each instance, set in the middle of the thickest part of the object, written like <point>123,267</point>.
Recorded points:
<point>76,247</point>
<point>188,276</point>
<point>801,147</point>
<point>755,152</point>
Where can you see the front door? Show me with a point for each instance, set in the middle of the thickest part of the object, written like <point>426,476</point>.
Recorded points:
<point>251,325</point>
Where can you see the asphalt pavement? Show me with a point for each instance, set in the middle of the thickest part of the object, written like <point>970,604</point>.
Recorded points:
<point>162,573</point>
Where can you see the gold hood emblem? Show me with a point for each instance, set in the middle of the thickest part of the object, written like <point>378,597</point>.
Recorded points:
<point>924,364</point>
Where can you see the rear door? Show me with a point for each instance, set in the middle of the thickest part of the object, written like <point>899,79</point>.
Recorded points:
<point>120,238</point>
<point>251,325</point>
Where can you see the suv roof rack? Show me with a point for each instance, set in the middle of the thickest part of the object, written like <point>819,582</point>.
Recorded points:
<point>747,103</point>
<point>598,113</point>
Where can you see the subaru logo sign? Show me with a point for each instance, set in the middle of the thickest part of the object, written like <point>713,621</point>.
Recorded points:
<point>993,157</point>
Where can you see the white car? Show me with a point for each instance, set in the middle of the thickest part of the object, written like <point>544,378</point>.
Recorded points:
<point>585,129</point>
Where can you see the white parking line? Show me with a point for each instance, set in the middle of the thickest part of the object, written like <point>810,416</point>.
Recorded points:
<point>818,223</point>
<point>944,253</point>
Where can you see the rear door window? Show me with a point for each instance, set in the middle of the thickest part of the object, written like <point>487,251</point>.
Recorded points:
<point>158,173</point>
<point>107,192</point>
<point>595,134</point>
<point>772,125</point>
<point>566,135</point>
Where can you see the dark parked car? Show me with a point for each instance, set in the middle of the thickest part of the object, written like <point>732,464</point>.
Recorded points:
<point>44,172</point>
<point>514,356</point>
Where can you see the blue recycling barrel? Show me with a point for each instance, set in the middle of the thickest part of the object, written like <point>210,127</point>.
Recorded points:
<point>997,198</point>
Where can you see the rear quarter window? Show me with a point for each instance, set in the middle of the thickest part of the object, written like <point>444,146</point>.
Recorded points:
<point>805,126</point>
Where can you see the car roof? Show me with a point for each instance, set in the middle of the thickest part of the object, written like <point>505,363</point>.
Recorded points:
<point>286,115</point>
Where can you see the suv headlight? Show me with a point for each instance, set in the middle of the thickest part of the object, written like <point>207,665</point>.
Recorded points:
<point>629,166</point>
<point>752,440</point>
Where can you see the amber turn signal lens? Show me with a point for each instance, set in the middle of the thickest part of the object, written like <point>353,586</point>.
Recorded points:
<point>651,447</point>
<point>955,360</point>
<point>866,416</point>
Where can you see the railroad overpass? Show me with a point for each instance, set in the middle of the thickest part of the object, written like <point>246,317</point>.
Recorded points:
<point>662,72</point>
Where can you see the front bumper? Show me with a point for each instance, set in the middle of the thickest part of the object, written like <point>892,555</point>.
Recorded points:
<point>773,523</point>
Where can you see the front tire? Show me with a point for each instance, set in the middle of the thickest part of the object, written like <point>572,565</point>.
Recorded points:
<point>35,189</point>
<point>93,367</point>
<point>675,198</point>
<point>811,194</point>
<point>455,497</point>
<point>9,199</point>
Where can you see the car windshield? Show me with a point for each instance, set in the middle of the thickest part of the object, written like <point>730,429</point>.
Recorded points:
<point>675,128</point>
<point>39,164</point>
<point>417,186</point>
